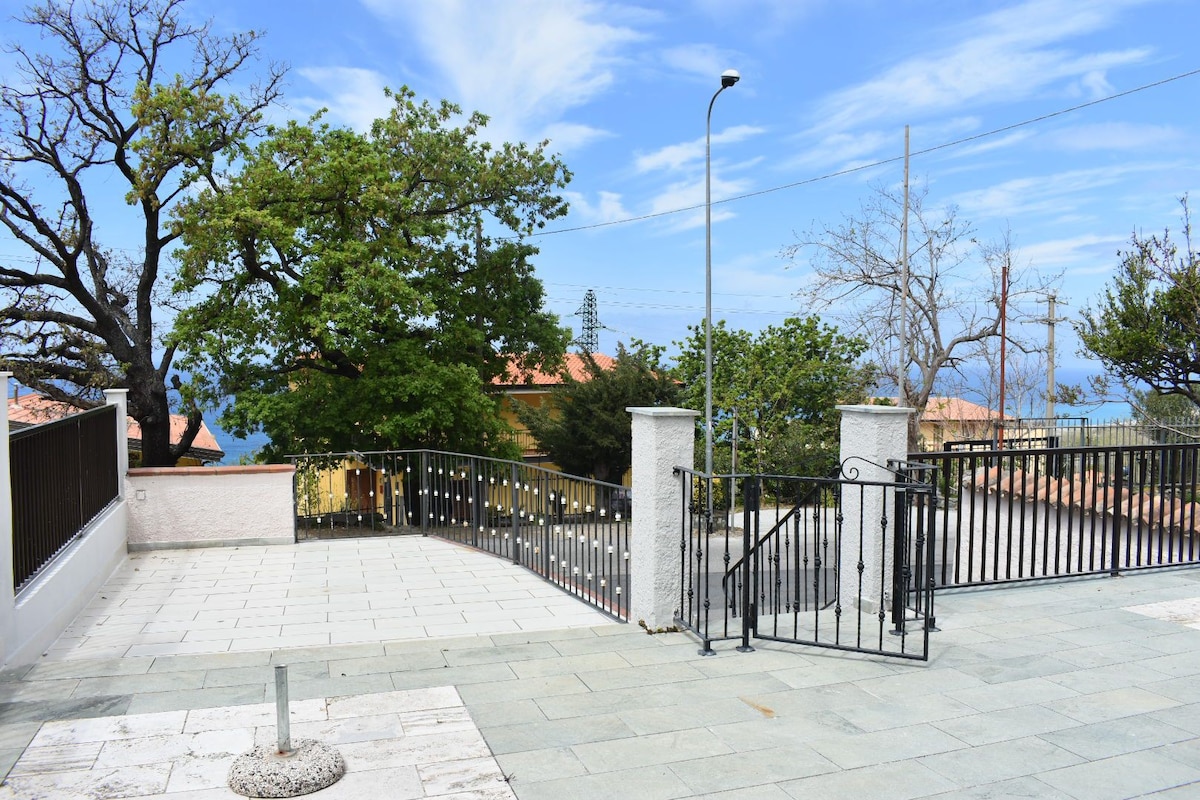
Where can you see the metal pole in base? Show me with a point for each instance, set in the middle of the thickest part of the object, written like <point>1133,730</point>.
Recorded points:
<point>283,724</point>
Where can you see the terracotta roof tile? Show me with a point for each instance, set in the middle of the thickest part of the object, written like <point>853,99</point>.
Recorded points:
<point>35,409</point>
<point>573,365</point>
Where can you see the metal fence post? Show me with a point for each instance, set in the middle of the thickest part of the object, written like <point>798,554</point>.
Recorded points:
<point>749,612</point>
<point>1118,485</point>
<point>900,565</point>
<point>424,483</point>
<point>515,536</point>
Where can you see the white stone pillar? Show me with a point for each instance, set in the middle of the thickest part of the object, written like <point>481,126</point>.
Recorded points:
<point>663,438</point>
<point>118,398</point>
<point>7,590</point>
<point>871,437</point>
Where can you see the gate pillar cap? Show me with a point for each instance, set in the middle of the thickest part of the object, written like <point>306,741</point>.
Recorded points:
<point>864,408</point>
<point>657,411</point>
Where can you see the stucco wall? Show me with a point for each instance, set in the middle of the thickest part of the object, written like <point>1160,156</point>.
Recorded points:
<point>207,506</point>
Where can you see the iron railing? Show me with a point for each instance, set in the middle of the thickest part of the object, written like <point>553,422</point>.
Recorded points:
<point>1015,515</point>
<point>64,474</point>
<point>571,531</point>
<point>799,562</point>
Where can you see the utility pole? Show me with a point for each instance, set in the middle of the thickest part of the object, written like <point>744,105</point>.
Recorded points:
<point>1051,319</point>
<point>902,372</point>
<point>1003,346</point>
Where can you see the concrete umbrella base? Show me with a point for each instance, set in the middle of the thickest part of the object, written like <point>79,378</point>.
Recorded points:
<point>265,772</point>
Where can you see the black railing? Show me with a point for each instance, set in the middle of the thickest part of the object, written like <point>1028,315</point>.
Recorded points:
<point>834,563</point>
<point>64,473</point>
<point>527,442</point>
<point>571,531</point>
<point>1014,515</point>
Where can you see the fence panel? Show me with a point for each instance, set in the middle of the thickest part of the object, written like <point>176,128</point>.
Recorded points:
<point>571,531</point>
<point>1015,515</point>
<point>831,563</point>
<point>64,473</point>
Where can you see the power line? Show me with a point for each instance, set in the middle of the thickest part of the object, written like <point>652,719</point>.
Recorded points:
<point>668,307</point>
<point>642,290</point>
<point>873,164</point>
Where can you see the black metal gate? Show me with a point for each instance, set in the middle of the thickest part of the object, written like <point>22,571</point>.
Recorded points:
<point>837,563</point>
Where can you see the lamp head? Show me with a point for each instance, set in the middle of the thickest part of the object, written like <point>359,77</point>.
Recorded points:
<point>729,77</point>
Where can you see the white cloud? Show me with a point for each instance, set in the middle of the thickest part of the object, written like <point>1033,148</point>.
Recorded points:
<point>1007,55</point>
<point>607,207</point>
<point>690,194</point>
<point>1055,194</point>
<point>1071,251</point>
<point>684,154</point>
<point>844,149</point>
<point>1117,136</point>
<point>524,63</point>
<point>1097,83</point>
<point>768,15</point>
<point>354,97</point>
<point>567,136</point>
<point>991,143</point>
<point>702,60</point>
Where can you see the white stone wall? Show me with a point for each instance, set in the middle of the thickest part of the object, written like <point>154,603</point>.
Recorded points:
<point>210,506</point>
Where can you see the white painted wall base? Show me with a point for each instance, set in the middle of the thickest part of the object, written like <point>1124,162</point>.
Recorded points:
<point>45,607</point>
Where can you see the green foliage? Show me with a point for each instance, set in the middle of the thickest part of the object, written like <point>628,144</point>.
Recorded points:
<point>585,427</point>
<point>1149,406</point>
<point>784,383</point>
<point>350,297</point>
<point>121,110</point>
<point>1147,328</point>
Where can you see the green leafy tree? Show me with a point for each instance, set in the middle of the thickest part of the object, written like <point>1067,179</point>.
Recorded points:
<point>348,298</point>
<point>105,127</point>
<point>585,427</point>
<point>1146,329</point>
<point>783,383</point>
<point>1172,418</point>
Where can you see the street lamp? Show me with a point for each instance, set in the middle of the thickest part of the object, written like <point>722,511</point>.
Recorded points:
<point>728,78</point>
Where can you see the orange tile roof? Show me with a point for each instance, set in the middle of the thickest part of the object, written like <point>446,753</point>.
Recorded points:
<point>573,365</point>
<point>955,409</point>
<point>34,409</point>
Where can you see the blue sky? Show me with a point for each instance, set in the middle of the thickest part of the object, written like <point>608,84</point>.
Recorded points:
<point>621,89</point>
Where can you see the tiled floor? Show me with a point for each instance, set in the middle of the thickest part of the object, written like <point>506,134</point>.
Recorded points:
<point>221,600</point>
<point>397,745</point>
<point>1075,690</point>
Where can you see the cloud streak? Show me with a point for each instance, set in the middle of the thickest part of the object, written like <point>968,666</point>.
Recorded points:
<point>1003,56</point>
<point>525,63</point>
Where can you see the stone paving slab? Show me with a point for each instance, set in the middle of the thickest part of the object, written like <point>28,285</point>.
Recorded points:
<point>1064,691</point>
<point>398,745</point>
<point>354,591</point>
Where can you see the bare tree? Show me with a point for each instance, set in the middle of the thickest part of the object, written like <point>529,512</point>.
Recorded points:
<point>102,131</point>
<point>953,298</point>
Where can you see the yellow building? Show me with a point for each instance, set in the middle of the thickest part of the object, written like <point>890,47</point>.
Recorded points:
<point>534,389</point>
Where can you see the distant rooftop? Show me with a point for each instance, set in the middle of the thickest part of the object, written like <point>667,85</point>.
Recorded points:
<point>573,365</point>
<point>34,409</point>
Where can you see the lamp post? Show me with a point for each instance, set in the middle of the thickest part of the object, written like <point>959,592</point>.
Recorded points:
<point>728,78</point>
